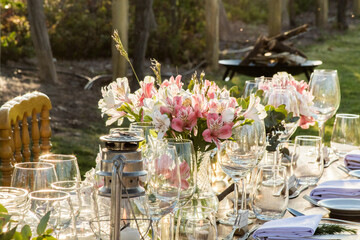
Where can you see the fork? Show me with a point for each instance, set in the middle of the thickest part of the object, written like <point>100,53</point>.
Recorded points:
<point>235,227</point>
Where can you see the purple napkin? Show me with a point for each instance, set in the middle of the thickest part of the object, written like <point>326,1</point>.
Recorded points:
<point>349,188</point>
<point>352,160</point>
<point>288,228</point>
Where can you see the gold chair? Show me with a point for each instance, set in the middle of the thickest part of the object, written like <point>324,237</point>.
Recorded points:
<point>15,137</point>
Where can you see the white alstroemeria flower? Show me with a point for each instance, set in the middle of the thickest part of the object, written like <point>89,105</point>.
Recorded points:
<point>255,110</point>
<point>161,123</point>
<point>122,89</point>
<point>228,115</point>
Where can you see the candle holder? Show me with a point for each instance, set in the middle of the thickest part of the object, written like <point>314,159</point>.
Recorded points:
<point>121,167</point>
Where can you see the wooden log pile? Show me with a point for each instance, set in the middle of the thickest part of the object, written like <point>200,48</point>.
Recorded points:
<point>271,51</point>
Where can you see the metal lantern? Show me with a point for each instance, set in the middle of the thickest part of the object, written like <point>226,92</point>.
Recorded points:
<point>121,168</point>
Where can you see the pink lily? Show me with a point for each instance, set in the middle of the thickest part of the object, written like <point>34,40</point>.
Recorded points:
<point>217,129</point>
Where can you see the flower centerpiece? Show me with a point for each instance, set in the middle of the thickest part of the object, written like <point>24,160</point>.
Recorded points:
<point>278,116</point>
<point>201,112</point>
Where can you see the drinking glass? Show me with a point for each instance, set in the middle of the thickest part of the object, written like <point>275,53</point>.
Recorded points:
<point>284,96</point>
<point>324,86</point>
<point>57,203</point>
<point>251,86</point>
<point>270,196</point>
<point>307,160</point>
<point>261,136</point>
<point>66,166</point>
<point>346,134</point>
<point>33,176</point>
<point>199,223</point>
<point>187,160</point>
<point>163,183</point>
<point>83,199</point>
<point>239,159</point>
<point>146,127</point>
<point>14,200</point>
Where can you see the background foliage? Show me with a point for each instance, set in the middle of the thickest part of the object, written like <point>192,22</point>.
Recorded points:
<point>81,29</point>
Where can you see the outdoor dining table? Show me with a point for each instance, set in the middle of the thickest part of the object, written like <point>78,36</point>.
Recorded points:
<point>300,204</point>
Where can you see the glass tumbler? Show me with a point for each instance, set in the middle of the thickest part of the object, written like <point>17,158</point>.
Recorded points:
<point>271,195</point>
<point>14,200</point>
<point>307,160</point>
<point>33,176</point>
<point>66,166</point>
<point>346,134</point>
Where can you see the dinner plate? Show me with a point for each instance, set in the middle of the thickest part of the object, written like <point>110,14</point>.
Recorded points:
<point>342,206</point>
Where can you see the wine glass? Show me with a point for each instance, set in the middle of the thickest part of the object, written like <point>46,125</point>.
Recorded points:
<point>284,96</point>
<point>58,204</point>
<point>33,176</point>
<point>345,136</point>
<point>324,86</point>
<point>147,127</point>
<point>66,166</point>
<point>14,200</point>
<point>237,160</point>
<point>163,183</point>
<point>186,154</point>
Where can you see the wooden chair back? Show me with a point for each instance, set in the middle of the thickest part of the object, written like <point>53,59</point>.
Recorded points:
<point>15,142</point>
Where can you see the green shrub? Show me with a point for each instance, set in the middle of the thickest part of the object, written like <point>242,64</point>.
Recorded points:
<point>15,32</point>
<point>248,11</point>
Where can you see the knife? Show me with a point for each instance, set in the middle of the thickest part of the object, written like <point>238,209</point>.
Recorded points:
<point>296,213</point>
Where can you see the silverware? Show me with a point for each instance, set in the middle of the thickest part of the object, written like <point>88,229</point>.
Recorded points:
<point>235,227</point>
<point>344,169</point>
<point>298,214</point>
<point>310,200</point>
<point>331,161</point>
<point>298,191</point>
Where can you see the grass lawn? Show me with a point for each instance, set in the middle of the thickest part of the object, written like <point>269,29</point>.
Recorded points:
<point>340,51</point>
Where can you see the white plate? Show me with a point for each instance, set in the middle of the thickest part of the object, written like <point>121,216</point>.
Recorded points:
<point>355,173</point>
<point>345,205</point>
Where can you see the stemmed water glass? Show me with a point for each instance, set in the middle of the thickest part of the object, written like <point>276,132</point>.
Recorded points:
<point>66,166</point>
<point>324,86</point>
<point>163,183</point>
<point>239,159</point>
<point>33,176</point>
<point>251,86</point>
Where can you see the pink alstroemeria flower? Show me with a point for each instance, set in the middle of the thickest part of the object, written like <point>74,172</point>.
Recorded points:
<point>172,80</point>
<point>217,129</point>
<point>172,105</point>
<point>184,120</point>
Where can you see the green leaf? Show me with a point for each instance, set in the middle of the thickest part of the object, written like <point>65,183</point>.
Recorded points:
<point>259,93</point>
<point>18,236</point>
<point>49,231</point>
<point>26,232</point>
<point>3,209</point>
<point>191,85</point>
<point>10,234</point>
<point>234,90</point>
<point>43,223</point>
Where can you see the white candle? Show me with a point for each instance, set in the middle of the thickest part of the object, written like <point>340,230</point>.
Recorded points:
<point>129,234</point>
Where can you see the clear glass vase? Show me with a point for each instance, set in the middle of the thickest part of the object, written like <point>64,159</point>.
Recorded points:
<point>204,195</point>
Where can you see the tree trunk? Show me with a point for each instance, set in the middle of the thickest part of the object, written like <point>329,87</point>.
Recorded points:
<point>285,18</point>
<point>322,9</point>
<point>356,7</point>
<point>274,21</point>
<point>120,11</point>
<point>212,33</point>
<point>40,38</point>
<point>292,13</point>
<point>141,35</point>
<point>341,14</point>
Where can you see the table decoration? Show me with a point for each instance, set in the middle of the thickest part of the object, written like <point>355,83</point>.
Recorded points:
<point>352,160</point>
<point>203,112</point>
<point>66,166</point>
<point>283,116</point>
<point>348,188</point>
<point>287,228</point>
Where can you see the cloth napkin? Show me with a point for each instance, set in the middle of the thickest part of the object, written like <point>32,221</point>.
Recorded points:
<point>289,228</point>
<point>352,160</point>
<point>348,188</point>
